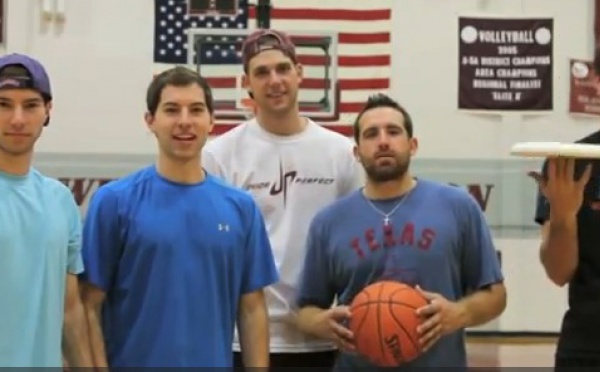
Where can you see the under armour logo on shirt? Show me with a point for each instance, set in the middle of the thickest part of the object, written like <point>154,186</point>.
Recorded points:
<point>223,227</point>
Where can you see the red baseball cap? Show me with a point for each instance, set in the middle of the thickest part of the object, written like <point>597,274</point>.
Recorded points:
<point>267,39</point>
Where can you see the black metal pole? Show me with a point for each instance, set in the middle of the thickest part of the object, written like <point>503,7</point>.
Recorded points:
<point>263,13</point>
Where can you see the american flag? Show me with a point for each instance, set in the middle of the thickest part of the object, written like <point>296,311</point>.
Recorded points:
<point>364,47</point>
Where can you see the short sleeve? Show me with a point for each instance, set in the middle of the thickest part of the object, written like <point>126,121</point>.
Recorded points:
<point>101,242</point>
<point>74,257</point>
<point>259,264</point>
<point>315,288</point>
<point>480,262</point>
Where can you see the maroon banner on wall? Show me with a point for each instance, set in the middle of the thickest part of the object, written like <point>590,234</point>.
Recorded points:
<point>583,95</point>
<point>505,64</point>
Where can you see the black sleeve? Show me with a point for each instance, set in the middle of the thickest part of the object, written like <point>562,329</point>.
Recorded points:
<point>542,207</point>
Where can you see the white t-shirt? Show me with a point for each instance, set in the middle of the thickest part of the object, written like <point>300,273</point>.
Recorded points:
<point>291,179</point>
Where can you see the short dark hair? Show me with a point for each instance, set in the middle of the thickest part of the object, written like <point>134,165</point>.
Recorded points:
<point>178,76</point>
<point>596,62</point>
<point>383,100</point>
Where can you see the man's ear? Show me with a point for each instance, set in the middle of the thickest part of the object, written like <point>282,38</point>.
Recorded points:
<point>245,81</point>
<point>149,119</point>
<point>300,69</point>
<point>414,146</point>
<point>212,123</point>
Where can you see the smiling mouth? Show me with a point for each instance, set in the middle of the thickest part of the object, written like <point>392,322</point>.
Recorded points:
<point>185,137</point>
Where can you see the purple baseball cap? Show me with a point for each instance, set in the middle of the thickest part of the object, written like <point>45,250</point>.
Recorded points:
<point>267,39</point>
<point>38,77</point>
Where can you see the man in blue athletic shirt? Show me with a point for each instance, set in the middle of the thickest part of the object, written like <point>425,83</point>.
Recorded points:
<point>40,232</point>
<point>423,233</point>
<point>174,257</point>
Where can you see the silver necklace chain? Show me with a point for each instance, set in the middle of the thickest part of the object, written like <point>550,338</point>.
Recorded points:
<point>386,216</point>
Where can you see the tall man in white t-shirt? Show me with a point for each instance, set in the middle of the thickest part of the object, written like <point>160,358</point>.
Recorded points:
<point>293,167</point>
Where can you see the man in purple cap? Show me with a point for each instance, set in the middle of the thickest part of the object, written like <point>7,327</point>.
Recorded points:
<point>40,229</point>
<point>293,167</point>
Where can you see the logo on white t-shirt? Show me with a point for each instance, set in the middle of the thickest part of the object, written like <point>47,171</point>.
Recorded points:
<point>285,181</point>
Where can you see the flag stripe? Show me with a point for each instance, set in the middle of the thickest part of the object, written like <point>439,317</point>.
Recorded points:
<point>324,14</point>
<point>346,4</point>
<point>363,38</point>
<point>351,61</point>
<point>298,26</point>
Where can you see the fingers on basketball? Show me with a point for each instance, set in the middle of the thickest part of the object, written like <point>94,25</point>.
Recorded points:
<point>432,338</point>
<point>340,331</point>
<point>384,322</point>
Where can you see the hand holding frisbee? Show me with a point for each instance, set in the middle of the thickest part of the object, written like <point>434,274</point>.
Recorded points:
<point>560,187</point>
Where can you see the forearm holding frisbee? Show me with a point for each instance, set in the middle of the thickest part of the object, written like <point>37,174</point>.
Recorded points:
<point>564,194</point>
<point>558,251</point>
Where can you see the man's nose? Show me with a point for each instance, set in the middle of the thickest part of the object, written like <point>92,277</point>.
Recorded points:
<point>17,122</point>
<point>185,118</point>
<point>383,141</point>
<point>274,77</point>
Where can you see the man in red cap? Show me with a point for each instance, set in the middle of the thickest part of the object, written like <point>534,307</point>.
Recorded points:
<point>293,167</point>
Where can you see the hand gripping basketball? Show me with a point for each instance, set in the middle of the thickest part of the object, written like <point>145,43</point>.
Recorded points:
<point>563,191</point>
<point>440,317</point>
<point>331,326</point>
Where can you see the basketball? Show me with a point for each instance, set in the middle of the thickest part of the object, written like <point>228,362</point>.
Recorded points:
<point>384,323</point>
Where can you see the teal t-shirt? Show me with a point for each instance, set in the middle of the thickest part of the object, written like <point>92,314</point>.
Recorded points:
<point>40,231</point>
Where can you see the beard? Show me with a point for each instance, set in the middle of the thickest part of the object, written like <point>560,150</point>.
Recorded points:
<point>393,170</point>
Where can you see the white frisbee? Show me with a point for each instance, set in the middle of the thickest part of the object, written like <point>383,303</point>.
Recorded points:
<point>555,149</point>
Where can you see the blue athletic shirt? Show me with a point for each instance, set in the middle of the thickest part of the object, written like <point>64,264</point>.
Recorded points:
<point>40,232</point>
<point>173,260</point>
<point>438,238</point>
